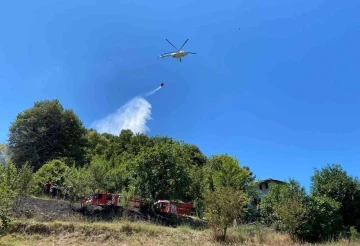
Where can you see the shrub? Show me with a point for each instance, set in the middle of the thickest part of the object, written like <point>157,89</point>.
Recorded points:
<point>324,221</point>
<point>354,234</point>
<point>55,171</point>
<point>222,207</point>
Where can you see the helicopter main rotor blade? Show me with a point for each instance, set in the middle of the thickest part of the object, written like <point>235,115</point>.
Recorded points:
<point>191,53</point>
<point>183,44</point>
<point>172,44</point>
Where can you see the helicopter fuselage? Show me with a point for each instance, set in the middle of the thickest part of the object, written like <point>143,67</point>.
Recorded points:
<point>179,54</point>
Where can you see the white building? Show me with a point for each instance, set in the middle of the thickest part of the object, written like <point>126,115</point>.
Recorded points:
<point>264,185</point>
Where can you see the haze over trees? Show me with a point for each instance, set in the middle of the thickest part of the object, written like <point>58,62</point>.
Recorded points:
<point>4,154</point>
<point>48,142</point>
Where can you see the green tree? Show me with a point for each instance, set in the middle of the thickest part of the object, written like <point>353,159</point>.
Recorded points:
<point>24,179</point>
<point>6,195</point>
<point>8,179</point>
<point>119,144</point>
<point>223,206</point>
<point>225,171</point>
<point>11,176</point>
<point>139,141</point>
<point>291,210</point>
<point>46,132</point>
<point>305,218</point>
<point>333,182</point>
<point>77,183</point>
<point>268,202</point>
<point>97,144</point>
<point>160,172</point>
<point>194,161</point>
<point>324,222</point>
<point>56,171</point>
<point>99,174</point>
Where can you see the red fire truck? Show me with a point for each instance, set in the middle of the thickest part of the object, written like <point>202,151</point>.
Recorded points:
<point>181,208</point>
<point>105,199</point>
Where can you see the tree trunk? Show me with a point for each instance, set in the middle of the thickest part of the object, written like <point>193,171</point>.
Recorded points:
<point>224,235</point>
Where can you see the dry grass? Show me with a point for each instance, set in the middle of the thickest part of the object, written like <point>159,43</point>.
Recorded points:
<point>135,233</point>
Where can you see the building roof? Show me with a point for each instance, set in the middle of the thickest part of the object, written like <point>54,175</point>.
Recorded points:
<point>270,180</point>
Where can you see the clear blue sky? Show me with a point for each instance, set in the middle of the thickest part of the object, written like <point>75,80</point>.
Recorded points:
<point>282,94</point>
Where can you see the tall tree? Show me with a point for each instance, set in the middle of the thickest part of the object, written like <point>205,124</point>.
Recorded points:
<point>45,132</point>
<point>225,171</point>
<point>160,172</point>
<point>195,161</point>
<point>333,182</point>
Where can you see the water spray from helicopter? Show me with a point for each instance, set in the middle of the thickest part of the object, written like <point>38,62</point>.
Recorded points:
<point>133,115</point>
<point>153,91</point>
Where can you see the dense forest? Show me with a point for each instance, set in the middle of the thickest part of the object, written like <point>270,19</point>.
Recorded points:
<point>48,142</point>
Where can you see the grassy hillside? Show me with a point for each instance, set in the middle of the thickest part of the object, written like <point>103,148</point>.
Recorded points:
<point>27,232</point>
<point>40,222</point>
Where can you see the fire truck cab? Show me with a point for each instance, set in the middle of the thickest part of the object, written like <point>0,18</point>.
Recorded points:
<point>103,199</point>
<point>181,208</point>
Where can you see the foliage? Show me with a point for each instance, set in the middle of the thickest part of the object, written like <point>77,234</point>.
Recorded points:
<point>99,172</point>
<point>307,218</point>
<point>54,171</point>
<point>77,183</point>
<point>221,205</point>
<point>291,210</point>
<point>46,132</point>
<point>97,144</point>
<point>124,199</point>
<point>25,179</point>
<point>354,234</point>
<point>225,171</point>
<point>160,172</point>
<point>22,182</point>
<point>8,189</point>
<point>324,220</point>
<point>10,176</point>
<point>333,182</point>
<point>268,202</point>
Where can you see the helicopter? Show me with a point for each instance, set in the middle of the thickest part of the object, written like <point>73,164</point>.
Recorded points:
<point>178,54</point>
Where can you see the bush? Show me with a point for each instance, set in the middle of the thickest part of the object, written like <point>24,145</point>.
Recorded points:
<point>354,234</point>
<point>55,171</point>
<point>222,207</point>
<point>267,215</point>
<point>305,218</point>
<point>333,181</point>
<point>324,221</point>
